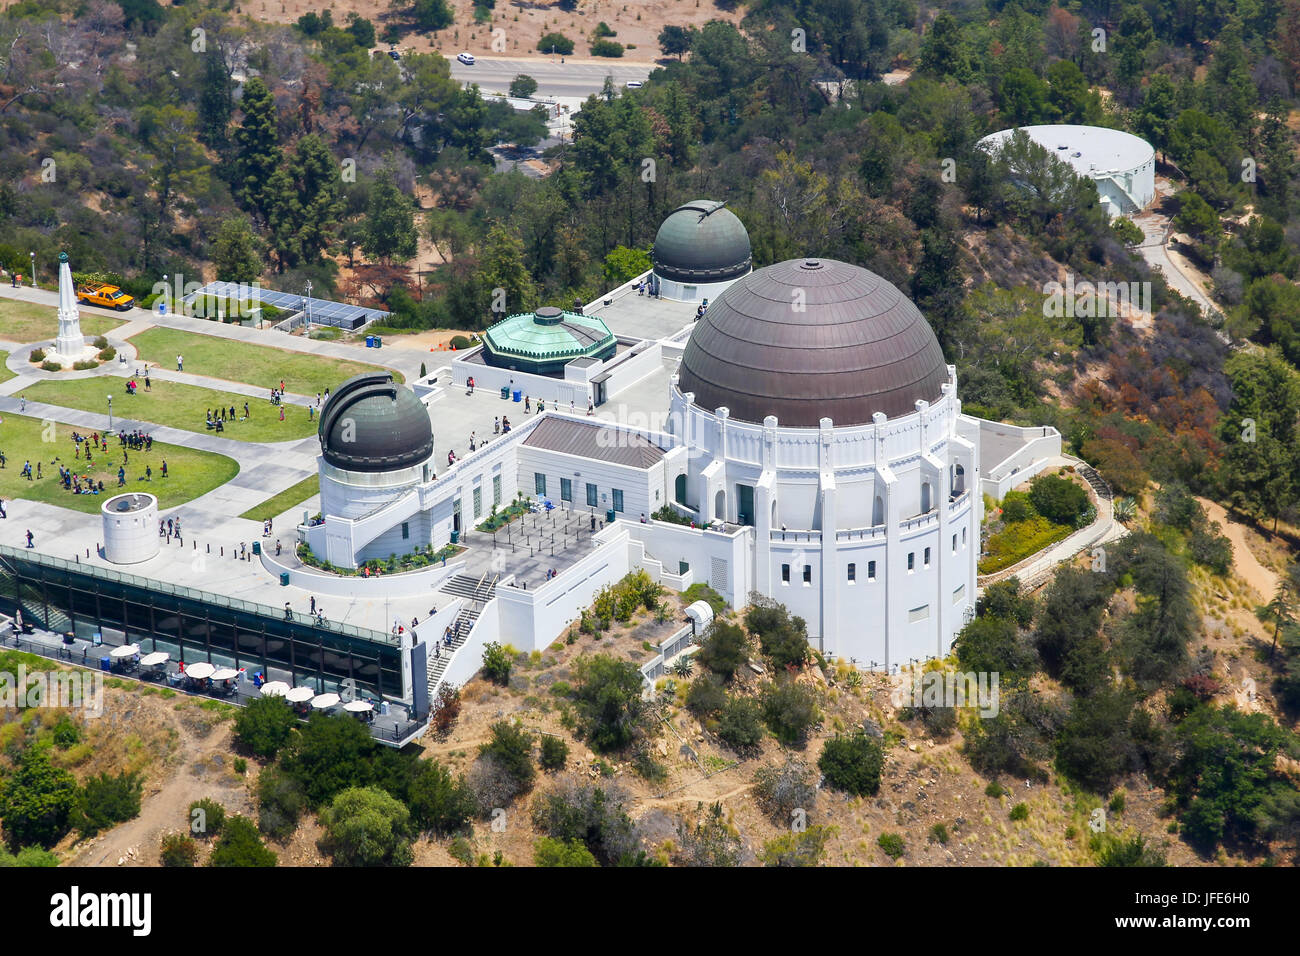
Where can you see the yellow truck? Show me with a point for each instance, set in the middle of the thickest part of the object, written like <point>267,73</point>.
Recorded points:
<point>100,293</point>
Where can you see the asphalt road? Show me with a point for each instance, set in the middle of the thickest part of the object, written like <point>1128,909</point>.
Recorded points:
<point>571,78</point>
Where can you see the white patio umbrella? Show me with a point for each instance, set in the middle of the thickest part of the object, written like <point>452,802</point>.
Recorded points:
<point>300,695</point>
<point>156,658</point>
<point>126,650</point>
<point>225,673</point>
<point>358,706</point>
<point>276,688</point>
<point>324,701</point>
<point>200,670</point>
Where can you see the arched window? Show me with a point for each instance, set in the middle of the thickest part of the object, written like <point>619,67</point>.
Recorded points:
<point>926,503</point>
<point>878,511</point>
<point>720,505</point>
<point>679,489</point>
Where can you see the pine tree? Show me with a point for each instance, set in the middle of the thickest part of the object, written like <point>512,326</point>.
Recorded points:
<point>237,252</point>
<point>258,152</point>
<point>389,231</point>
<point>216,104</point>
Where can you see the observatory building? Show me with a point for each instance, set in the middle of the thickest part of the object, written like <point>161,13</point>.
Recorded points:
<point>700,249</point>
<point>802,439</point>
<point>1122,165</point>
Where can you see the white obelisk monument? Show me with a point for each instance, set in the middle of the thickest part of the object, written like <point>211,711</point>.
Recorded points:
<point>70,343</point>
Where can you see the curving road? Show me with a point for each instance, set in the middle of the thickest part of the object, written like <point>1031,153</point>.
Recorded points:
<point>574,77</point>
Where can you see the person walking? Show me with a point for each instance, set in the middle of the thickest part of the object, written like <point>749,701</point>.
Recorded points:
<point>528,404</point>
<point>313,605</point>
<point>180,363</point>
<point>22,403</point>
<point>147,386</point>
<point>30,539</point>
<point>246,415</point>
<point>591,408</point>
<point>164,467</point>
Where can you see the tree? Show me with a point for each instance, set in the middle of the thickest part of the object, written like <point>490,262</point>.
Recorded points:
<point>389,231</point>
<point>790,711</point>
<point>1058,499</point>
<point>178,850</point>
<point>241,846</point>
<point>740,725</point>
<point>439,802</point>
<point>108,799</point>
<point>782,791</point>
<point>523,86</point>
<point>853,763</point>
<point>591,814</point>
<point>676,41</point>
<point>257,148</point>
<point>280,803</point>
<point>237,252</point>
<point>782,639</point>
<point>1280,610</point>
<point>607,694</point>
<point>503,267</point>
<point>1094,747</point>
<point>365,826</point>
<point>943,52</point>
<point>216,102</point>
<point>304,204</point>
<point>549,852</point>
<point>623,265</point>
<point>496,664</point>
<point>512,747</point>
<point>37,801</point>
<point>265,726</point>
<point>432,15</point>
<point>555,43</point>
<point>1259,471</point>
<point>725,649</point>
<point>331,753</point>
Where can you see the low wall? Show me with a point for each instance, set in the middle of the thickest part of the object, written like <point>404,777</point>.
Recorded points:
<point>628,369</point>
<point>468,659</point>
<point>553,390</point>
<point>405,584</point>
<point>538,616</point>
<point>670,544</point>
<point>432,628</point>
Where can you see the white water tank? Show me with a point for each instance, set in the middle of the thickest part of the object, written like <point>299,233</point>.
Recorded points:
<point>130,528</point>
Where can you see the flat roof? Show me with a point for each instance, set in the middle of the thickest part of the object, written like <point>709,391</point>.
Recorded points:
<point>598,442</point>
<point>1089,149</point>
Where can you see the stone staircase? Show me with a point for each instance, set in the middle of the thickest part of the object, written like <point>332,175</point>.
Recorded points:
<point>479,592</point>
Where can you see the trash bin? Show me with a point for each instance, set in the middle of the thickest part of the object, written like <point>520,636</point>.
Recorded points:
<point>284,579</point>
<point>609,516</point>
<point>518,395</point>
<point>370,341</point>
<point>379,343</point>
<point>455,537</point>
<point>162,307</point>
<point>505,392</point>
<point>106,663</point>
<point>257,547</point>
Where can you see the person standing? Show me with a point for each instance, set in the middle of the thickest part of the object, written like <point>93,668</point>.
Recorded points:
<point>180,363</point>
<point>281,413</point>
<point>22,403</point>
<point>3,513</point>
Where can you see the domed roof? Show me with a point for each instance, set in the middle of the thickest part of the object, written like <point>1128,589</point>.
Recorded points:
<point>371,423</point>
<point>701,242</point>
<point>545,340</point>
<point>808,339</point>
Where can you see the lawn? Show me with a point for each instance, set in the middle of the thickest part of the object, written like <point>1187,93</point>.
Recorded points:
<point>5,374</point>
<point>261,365</point>
<point>277,505</point>
<point>177,405</point>
<point>27,322</point>
<point>191,473</point>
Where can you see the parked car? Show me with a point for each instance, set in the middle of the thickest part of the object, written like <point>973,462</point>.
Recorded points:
<point>466,58</point>
<point>110,296</point>
<point>394,54</point>
<point>635,84</point>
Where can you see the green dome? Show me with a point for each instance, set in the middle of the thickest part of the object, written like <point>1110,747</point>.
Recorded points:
<point>543,342</point>
<point>701,242</point>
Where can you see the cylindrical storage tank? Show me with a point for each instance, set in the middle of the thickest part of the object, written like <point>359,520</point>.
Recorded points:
<point>130,528</point>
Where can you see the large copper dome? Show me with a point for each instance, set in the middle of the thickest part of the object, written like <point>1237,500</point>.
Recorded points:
<point>808,339</point>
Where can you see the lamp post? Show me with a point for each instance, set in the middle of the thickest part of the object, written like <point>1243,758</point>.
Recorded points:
<point>110,413</point>
<point>33,258</point>
<point>307,304</point>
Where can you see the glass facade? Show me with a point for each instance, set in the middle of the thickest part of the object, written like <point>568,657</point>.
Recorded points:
<point>191,625</point>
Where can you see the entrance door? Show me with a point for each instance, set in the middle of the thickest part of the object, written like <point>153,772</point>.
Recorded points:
<point>455,515</point>
<point>745,504</point>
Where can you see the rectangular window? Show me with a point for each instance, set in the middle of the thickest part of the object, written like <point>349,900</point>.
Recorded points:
<point>959,594</point>
<point>785,574</point>
<point>963,537</point>
<point>871,570</point>
<point>807,574</point>
<point>618,498</point>
<point>478,502</point>
<point>539,482</point>
<point>911,560</point>
<point>954,544</point>
<point>927,557</point>
<point>566,489</point>
<point>591,495</point>
<point>853,572</point>
<point>406,530</point>
<point>496,489</point>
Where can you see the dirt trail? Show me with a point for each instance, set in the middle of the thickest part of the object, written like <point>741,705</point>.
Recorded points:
<point>1244,562</point>
<point>136,842</point>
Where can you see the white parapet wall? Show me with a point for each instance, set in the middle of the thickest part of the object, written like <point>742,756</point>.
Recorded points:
<point>1034,448</point>
<point>376,587</point>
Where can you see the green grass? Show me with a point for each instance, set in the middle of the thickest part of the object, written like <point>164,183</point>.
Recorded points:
<point>5,374</point>
<point>262,365</point>
<point>191,473</point>
<point>177,405</point>
<point>279,504</point>
<point>27,322</point>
